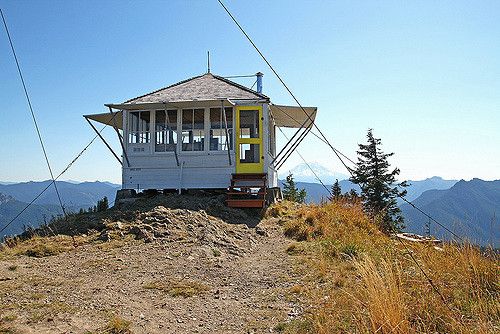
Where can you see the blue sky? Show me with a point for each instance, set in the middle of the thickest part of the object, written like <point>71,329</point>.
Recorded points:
<point>424,74</point>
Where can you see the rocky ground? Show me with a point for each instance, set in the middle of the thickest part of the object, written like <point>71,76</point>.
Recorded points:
<point>154,268</point>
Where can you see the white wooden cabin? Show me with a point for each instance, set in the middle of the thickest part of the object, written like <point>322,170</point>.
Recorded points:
<point>201,133</point>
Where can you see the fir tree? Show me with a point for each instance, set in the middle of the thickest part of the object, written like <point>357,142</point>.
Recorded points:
<point>352,194</point>
<point>290,191</point>
<point>336,190</point>
<point>378,185</point>
<point>102,205</point>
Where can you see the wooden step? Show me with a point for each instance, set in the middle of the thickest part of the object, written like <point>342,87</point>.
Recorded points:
<point>241,193</point>
<point>247,190</point>
<point>245,203</point>
<point>249,176</point>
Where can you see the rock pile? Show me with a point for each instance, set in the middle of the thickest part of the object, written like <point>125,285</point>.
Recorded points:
<point>183,225</point>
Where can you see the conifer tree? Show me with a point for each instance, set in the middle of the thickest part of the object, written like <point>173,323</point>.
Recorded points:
<point>290,191</point>
<point>102,205</point>
<point>336,190</point>
<point>352,194</point>
<point>378,185</point>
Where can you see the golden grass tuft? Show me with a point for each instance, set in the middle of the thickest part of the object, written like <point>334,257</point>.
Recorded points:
<point>384,297</point>
<point>359,280</point>
<point>118,325</point>
<point>39,246</point>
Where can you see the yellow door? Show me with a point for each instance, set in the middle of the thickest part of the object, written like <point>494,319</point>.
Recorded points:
<point>249,148</point>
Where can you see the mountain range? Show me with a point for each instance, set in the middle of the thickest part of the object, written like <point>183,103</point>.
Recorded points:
<point>469,209</point>
<point>15,196</point>
<point>316,191</point>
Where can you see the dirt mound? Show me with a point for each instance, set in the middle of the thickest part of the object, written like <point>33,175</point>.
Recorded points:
<point>213,205</point>
<point>150,267</point>
<point>183,225</point>
<point>200,220</point>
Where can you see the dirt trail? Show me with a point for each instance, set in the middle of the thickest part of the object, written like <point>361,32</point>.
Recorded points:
<point>79,291</point>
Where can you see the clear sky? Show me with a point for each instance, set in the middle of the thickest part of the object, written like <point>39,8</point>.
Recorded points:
<point>425,75</point>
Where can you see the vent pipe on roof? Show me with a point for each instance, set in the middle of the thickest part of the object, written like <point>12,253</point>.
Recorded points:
<point>259,81</point>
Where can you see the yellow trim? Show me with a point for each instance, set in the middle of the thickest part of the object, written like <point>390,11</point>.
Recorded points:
<point>249,167</point>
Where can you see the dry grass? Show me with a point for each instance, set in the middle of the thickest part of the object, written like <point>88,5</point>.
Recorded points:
<point>6,326</point>
<point>384,297</point>
<point>39,246</point>
<point>358,280</point>
<point>117,325</point>
<point>178,289</point>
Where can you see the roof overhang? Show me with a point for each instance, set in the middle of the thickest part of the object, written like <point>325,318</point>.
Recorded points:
<point>284,116</point>
<point>293,117</point>
<point>180,104</point>
<point>112,119</point>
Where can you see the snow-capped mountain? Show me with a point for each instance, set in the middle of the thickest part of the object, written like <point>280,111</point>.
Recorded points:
<point>302,173</point>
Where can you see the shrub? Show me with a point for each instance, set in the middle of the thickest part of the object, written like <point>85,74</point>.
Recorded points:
<point>118,325</point>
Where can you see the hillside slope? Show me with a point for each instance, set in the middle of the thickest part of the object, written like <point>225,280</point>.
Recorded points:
<point>164,270</point>
<point>468,208</point>
<point>189,264</point>
<point>32,217</point>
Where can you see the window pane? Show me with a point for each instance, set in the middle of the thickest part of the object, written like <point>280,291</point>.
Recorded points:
<point>193,129</point>
<point>249,124</point>
<point>218,139</point>
<point>138,126</point>
<point>249,153</point>
<point>166,131</point>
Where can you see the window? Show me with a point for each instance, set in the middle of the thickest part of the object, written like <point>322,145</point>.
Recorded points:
<point>138,127</point>
<point>249,124</point>
<point>193,129</point>
<point>249,153</point>
<point>220,140</point>
<point>165,131</point>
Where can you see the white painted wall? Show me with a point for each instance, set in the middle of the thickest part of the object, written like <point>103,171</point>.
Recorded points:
<point>196,170</point>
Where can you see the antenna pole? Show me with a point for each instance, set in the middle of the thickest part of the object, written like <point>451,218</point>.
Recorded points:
<point>208,61</point>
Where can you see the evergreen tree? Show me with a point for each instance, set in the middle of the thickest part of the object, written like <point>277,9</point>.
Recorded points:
<point>102,205</point>
<point>336,190</point>
<point>290,191</point>
<point>378,185</point>
<point>352,194</point>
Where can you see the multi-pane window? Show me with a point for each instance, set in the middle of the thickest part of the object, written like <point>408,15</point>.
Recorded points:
<point>193,129</point>
<point>221,129</point>
<point>138,127</point>
<point>249,124</point>
<point>165,130</point>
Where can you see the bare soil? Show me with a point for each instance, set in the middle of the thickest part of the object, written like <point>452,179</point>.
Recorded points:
<point>164,270</point>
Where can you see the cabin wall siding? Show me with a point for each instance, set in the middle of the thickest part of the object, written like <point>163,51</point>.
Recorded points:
<point>196,170</point>
<point>178,178</point>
